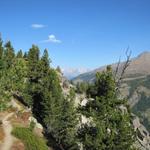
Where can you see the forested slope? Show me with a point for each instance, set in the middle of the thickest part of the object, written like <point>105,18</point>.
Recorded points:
<point>29,78</point>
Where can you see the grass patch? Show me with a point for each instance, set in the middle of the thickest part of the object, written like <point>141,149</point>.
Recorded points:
<point>30,140</point>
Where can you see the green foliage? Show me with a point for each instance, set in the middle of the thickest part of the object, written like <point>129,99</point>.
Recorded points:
<point>1,48</point>
<point>59,69</point>
<point>49,106</point>
<point>33,64</point>
<point>31,141</point>
<point>25,56</point>
<point>30,78</point>
<point>3,105</point>
<point>9,54</point>
<point>58,114</point>
<point>82,87</point>
<point>19,54</point>
<point>109,128</point>
<point>32,125</point>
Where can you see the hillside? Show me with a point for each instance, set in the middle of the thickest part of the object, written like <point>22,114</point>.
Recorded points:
<point>40,109</point>
<point>19,130</point>
<point>139,66</point>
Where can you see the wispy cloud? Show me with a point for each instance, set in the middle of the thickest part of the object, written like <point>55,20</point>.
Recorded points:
<point>52,39</point>
<point>38,26</point>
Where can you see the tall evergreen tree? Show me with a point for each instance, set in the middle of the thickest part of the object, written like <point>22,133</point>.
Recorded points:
<point>109,127</point>
<point>44,64</point>
<point>9,54</point>
<point>1,54</point>
<point>33,64</point>
<point>59,115</point>
<point>59,69</point>
<point>25,55</point>
<point>33,76</point>
<point>56,113</point>
<point>1,48</point>
<point>43,68</point>
<point>19,54</point>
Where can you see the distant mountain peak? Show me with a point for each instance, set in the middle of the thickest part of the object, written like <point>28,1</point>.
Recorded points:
<point>139,66</point>
<point>143,54</point>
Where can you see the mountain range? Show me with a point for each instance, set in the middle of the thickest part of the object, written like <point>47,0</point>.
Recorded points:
<point>139,66</point>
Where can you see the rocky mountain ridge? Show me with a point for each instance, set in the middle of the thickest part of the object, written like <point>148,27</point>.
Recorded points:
<point>139,66</point>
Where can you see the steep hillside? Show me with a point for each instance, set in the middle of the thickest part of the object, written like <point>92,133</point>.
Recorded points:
<point>138,92</point>
<point>20,129</point>
<point>39,108</point>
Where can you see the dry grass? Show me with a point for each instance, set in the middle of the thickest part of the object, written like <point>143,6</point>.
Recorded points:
<point>2,135</point>
<point>18,145</point>
<point>21,119</point>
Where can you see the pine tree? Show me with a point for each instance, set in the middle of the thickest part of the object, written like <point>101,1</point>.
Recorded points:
<point>1,54</point>
<point>43,68</point>
<point>33,64</point>
<point>1,48</point>
<point>59,69</point>
<point>6,83</point>
<point>109,127</point>
<point>25,56</point>
<point>19,54</point>
<point>59,115</point>
<point>56,113</point>
<point>44,65</point>
<point>9,54</point>
<point>33,76</point>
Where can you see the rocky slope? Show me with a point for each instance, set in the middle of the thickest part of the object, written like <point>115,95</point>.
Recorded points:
<point>16,116</point>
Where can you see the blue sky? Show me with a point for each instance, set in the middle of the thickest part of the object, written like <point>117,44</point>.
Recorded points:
<point>78,33</point>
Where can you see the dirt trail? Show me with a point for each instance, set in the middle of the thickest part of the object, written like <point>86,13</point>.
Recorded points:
<point>8,140</point>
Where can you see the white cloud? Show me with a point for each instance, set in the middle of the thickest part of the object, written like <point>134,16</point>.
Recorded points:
<point>51,39</point>
<point>38,26</point>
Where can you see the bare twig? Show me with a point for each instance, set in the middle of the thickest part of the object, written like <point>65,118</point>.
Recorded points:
<point>117,69</point>
<point>123,70</point>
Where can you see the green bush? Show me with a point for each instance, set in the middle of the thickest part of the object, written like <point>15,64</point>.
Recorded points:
<point>31,141</point>
<point>32,125</point>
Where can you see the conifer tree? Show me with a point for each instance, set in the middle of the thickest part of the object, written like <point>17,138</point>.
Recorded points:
<point>42,70</point>
<point>1,54</point>
<point>109,127</point>
<point>1,48</point>
<point>6,84</point>
<point>44,64</point>
<point>56,113</point>
<point>59,115</point>
<point>32,83</point>
<point>33,64</point>
<point>9,54</point>
<point>25,55</point>
<point>19,54</point>
<point>59,69</point>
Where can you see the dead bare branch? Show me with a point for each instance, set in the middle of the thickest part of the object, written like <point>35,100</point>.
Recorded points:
<point>123,69</point>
